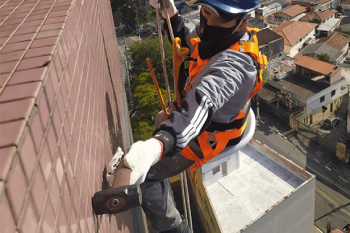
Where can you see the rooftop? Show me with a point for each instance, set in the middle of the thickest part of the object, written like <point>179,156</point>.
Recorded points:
<point>328,25</point>
<point>260,184</point>
<point>317,65</point>
<point>345,20</point>
<point>292,10</point>
<point>266,36</point>
<point>292,31</point>
<point>321,15</point>
<point>306,1</point>
<point>335,41</point>
<point>302,86</point>
<point>320,48</point>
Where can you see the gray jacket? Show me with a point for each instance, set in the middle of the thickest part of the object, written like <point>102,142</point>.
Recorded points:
<point>218,93</point>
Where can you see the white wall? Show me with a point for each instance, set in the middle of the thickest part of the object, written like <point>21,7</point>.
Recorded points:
<point>294,49</point>
<point>314,103</point>
<point>286,216</point>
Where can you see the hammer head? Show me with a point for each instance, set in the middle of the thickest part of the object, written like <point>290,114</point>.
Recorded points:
<point>116,200</point>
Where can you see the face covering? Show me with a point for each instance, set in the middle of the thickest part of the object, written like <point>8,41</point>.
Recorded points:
<point>213,33</point>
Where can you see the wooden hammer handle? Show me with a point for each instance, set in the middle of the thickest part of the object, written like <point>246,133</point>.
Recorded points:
<point>122,175</point>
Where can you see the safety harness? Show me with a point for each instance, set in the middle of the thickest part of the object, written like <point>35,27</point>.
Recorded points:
<point>214,140</point>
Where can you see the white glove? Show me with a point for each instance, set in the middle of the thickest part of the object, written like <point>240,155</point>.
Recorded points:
<point>112,166</point>
<point>142,155</point>
<point>171,7</point>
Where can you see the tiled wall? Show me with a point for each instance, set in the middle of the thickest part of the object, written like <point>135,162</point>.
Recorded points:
<point>61,115</point>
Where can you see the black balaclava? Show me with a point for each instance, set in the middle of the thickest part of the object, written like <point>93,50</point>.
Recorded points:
<point>216,39</point>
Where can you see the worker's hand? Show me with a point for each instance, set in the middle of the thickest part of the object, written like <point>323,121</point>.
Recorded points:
<point>142,155</point>
<point>169,6</point>
<point>112,166</point>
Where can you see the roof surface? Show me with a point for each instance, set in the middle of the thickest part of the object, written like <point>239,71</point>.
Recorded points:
<point>345,20</point>
<point>316,65</point>
<point>335,41</point>
<point>306,1</point>
<point>293,31</point>
<point>344,1</point>
<point>267,35</point>
<point>320,48</point>
<point>302,86</point>
<point>329,24</point>
<point>244,195</point>
<point>321,15</point>
<point>292,10</point>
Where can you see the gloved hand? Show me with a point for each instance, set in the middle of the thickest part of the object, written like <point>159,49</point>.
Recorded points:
<point>142,155</point>
<point>112,166</point>
<point>168,6</point>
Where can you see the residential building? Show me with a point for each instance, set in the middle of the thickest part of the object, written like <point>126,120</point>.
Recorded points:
<point>271,44</point>
<point>344,25</point>
<point>316,5</point>
<point>256,23</point>
<point>290,12</point>
<point>346,6</point>
<point>315,50</point>
<point>322,16</point>
<point>296,35</point>
<point>337,42</point>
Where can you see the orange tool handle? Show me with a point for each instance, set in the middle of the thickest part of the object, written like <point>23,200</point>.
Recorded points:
<point>161,100</point>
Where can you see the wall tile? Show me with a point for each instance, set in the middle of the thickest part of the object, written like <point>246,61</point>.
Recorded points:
<point>48,219</point>
<point>28,154</point>
<point>16,110</point>
<point>41,51</point>
<point>17,92</point>
<point>6,220</point>
<point>44,42</point>
<point>46,161</point>
<point>34,62</point>
<point>55,194</point>
<point>17,187</point>
<point>13,133</point>
<point>26,76</point>
<point>6,156</point>
<point>39,190</point>
<point>30,221</point>
<point>36,128</point>
<point>43,110</point>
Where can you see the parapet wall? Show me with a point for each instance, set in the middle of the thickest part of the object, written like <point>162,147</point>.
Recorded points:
<point>63,114</point>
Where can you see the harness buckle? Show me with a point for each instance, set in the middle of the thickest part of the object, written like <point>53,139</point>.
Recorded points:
<point>211,144</point>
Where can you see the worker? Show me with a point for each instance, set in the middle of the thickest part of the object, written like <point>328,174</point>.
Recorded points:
<point>211,119</point>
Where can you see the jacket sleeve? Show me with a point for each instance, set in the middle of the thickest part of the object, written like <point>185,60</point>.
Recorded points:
<point>180,30</point>
<point>221,82</point>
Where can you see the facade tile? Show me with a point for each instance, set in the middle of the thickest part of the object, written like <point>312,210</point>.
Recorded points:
<point>3,78</point>
<point>58,66</point>
<point>12,56</point>
<point>62,222</point>
<point>41,51</point>
<point>52,26</point>
<point>26,76</point>
<point>32,23</point>
<point>13,133</point>
<point>48,219</point>
<point>44,42</point>
<point>28,154</point>
<point>17,187</point>
<point>6,220</point>
<point>46,162</point>
<point>17,92</point>
<point>36,128</point>
<point>60,13</point>
<point>7,67</point>
<point>6,157</point>
<point>25,30</point>
<point>21,37</point>
<point>39,188</point>
<point>55,194</point>
<point>59,170</point>
<point>17,110</point>
<point>34,62</point>
<point>50,33</point>
<point>56,20</point>
<point>50,93</point>
<point>14,47</point>
<point>43,110</point>
<point>51,139</point>
<point>30,221</point>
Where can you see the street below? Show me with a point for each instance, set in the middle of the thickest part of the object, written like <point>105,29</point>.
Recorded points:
<point>332,194</point>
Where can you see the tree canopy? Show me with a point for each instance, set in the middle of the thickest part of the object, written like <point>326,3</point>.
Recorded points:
<point>149,48</point>
<point>325,57</point>
<point>340,9</point>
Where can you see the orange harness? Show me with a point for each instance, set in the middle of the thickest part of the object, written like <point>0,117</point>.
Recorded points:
<point>220,138</point>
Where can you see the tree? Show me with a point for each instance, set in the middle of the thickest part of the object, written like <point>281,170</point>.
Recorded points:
<point>149,48</point>
<point>325,57</point>
<point>340,9</point>
<point>344,34</point>
<point>132,12</point>
<point>265,76</point>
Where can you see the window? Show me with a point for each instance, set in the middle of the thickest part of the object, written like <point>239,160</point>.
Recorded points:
<point>216,170</point>
<point>333,93</point>
<point>321,99</point>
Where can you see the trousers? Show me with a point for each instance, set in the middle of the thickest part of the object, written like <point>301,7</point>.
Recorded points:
<point>157,196</point>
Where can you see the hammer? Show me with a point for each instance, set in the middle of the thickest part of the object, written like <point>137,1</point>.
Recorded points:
<point>120,197</point>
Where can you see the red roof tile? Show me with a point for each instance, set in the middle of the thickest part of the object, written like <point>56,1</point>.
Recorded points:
<point>335,41</point>
<point>316,65</point>
<point>292,10</point>
<point>320,15</point>
<point>293,31</point>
